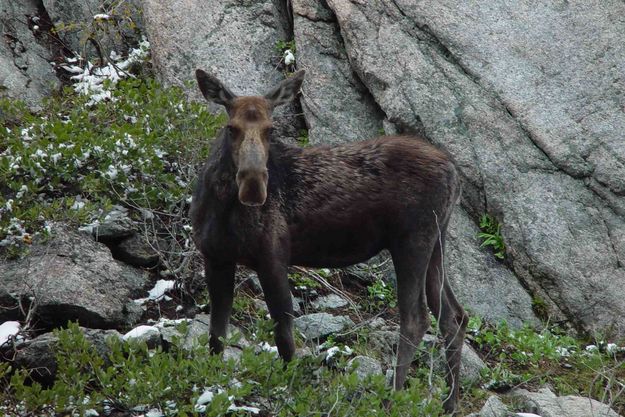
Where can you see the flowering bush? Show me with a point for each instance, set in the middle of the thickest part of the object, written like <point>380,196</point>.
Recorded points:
<point>77,157</point>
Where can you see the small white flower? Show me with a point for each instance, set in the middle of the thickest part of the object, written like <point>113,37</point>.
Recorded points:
<point>9,205</point>
<point>55,157</point>
<point>592,348</point>
<point>112,172</point>
<point>78,205</point>
<point>289,58</point>
<point>612,348</point>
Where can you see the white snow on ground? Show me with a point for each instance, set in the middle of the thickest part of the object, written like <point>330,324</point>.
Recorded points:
<point>252,410</point>
<point>208,395</point>
<point>266,347</point>
<point>8,329</point>
<point>158,292</point>
<point>140,331</point>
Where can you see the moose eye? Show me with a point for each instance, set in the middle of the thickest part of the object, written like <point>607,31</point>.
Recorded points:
<point>233,131</point>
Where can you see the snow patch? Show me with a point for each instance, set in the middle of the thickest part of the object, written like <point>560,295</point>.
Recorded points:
<point>9,330</point>
<point>141,332</point>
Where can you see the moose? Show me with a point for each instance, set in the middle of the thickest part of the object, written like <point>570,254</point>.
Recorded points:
<point>268,205</point>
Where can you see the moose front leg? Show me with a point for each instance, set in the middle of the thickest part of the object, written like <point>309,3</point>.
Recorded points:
<point>274,280</point>
<point>220,279</point>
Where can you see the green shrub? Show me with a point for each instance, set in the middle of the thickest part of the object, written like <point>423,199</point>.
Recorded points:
<point>72,162</point>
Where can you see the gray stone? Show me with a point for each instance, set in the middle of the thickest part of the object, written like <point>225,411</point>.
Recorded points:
<point>494,408</point>
<point>233,40</point>
<point>471,364</point>
<point>547,404</point>
<point>365,366</point>
<point>25,72</point>
<point>509,99</point>
<point>197,334</point>
<point>71,277</point>
<point>38,354</point>
<point>115,227</point>
<point>136,251</point>
<point>329,301</point>
<point>331,85</point>
<point>318,325</point>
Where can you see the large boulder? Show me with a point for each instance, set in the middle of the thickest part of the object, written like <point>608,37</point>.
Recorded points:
<point>25,72</point>
<point>233,40</point>
<point>72,277</point>
<point>337,106</point>
<point>536,133</point>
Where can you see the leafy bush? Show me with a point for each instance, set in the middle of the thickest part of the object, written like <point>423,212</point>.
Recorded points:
<point>72,162</point>
<point>139,379</point>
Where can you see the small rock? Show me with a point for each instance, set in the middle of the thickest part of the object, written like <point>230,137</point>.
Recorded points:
<point>115,227</point>
<point>329,301</point>
<point>135,251</point>
<point>318,325</point>
<point>494,407</point>
<point>365,366</point>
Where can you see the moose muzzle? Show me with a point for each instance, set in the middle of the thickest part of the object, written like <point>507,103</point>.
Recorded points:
<point>252,175</point>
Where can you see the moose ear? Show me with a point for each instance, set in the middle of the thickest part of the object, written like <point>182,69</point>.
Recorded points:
<point>212,89</point>
<point>286,90</point>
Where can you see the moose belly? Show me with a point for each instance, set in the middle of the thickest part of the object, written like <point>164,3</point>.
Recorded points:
<point>335,245</point>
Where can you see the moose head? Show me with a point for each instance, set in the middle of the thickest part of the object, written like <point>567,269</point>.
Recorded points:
<point>249,130</point>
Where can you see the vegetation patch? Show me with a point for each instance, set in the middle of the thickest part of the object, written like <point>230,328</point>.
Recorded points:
<point>491,235</point>
<point>73,161</point>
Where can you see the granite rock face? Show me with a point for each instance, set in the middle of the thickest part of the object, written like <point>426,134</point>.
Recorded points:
<point>232,40</point>
<point>25,72</point>
<point>532,129</point>
<point>331,86</point>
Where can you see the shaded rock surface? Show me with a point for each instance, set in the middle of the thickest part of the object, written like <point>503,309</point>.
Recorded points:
<point>38,354</point>
<point>233,40</point>
<point>318,325</point>
<point>331,86</point>
<point>508,123</point>
<point>482,284</point>
<point>329,301</point>
<point>71,277</point>
<point>25,72</point>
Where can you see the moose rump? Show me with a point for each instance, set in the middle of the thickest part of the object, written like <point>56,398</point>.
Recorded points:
<point>268,205</point>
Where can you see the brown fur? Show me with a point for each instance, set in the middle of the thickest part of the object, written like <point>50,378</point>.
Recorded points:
<point>329,207</point>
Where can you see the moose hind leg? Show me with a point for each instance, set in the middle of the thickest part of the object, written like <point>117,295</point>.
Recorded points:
<point>410,259</point>
<point>452,321</point>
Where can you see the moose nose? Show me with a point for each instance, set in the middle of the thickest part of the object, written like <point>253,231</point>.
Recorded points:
<point>251,174</point>
<point>252,185</point>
